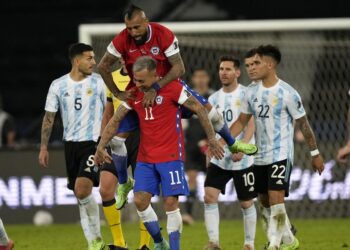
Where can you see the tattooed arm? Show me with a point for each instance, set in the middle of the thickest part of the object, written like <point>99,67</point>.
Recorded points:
<point>317,160</point>
<point>105,69</point>
<point>101,155</point>
<point>46,130</point>
<point>194,105</point>
<point>176,71</point>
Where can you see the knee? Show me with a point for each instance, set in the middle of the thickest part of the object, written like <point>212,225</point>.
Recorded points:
<point>140,203</point>
<point>81,193</point>
<point>210,198</point>
<point>106,193</point>
<point>171,203</point>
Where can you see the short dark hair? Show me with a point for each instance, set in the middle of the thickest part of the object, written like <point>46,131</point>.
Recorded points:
<point>236,62</point>
<point>78,49</point>
<point>269,50</point>
<point>144,62</point>
<point>250,53</point>
<point>131,11</point>
<point>200,69</point>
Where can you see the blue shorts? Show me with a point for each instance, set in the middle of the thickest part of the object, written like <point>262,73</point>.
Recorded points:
<point>129,123</point>
<point>170,175</point>
<point>186,113</point>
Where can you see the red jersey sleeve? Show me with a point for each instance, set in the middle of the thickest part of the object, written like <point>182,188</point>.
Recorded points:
<point>168,41</point>
<point>117,46</point>
<point>179,93</point>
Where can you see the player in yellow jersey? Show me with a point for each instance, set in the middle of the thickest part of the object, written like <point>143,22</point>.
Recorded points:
<point>108,176</point>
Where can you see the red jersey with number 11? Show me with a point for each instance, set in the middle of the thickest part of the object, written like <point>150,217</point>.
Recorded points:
<point>161,138</point>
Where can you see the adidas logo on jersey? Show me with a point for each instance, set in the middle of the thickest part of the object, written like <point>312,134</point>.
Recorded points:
<point>87,170</point>
<point>256,99</point>
<point>279,182</point>
<point>251,189</point>
<point>66,94</point>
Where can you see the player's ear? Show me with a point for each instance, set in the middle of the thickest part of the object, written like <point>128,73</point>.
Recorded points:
<point>238,72</point>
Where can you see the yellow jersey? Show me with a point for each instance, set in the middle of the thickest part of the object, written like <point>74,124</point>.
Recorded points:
<point>121,80</point>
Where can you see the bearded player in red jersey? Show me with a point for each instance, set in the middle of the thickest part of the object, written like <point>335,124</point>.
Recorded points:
<point>141,38</point>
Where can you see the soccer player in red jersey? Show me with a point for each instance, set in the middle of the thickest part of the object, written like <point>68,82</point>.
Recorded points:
<point>161,151</point>
<point>141,38</point>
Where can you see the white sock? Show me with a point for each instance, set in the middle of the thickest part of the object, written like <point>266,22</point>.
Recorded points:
<point>277,224</point>
<point>174,222</point>
<point>216,119</point>
<point>4,239</point>
<point>288,236</point>
<point>249,219</point>
<point>148,215</point>
<point>212,217</point>
<point>265,217</point>
<point>84,220</point>
<point>93,214</point>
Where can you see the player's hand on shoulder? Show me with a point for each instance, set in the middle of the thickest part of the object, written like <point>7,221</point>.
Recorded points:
<point>44,158</point>
<point>215,149</point>
<point>126,95</point>
<point>149,98</point>
<point>318,164</point>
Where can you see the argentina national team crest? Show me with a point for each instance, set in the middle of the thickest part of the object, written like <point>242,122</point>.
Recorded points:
<point>159,99</point>
<point>155,50</point>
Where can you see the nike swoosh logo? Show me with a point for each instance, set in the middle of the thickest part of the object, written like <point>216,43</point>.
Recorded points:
<point>136,102</point>
<point>132,50</point>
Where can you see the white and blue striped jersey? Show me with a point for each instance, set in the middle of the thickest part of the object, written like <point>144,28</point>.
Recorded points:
<point>274,110</point>
<point>229,104</point>
<point>81,105</point>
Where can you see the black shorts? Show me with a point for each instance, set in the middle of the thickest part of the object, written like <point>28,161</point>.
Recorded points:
<point>132,147</point>
<point>243,181</point>
<point>80,162</point>
<point>274,176</point>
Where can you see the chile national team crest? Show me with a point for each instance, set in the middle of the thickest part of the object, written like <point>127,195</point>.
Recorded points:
<point>159,99</point>
<point>155,50</point>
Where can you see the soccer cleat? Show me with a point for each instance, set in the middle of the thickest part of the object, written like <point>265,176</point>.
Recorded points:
<point>144,247</point>
<point>113,247</point>
<point>292,246</point>
<point>245,148</point>
<point>212,246</point>
<point>123,191</point>
<point>10,245</point>
<point>97,244</point>
<point>164,245</point>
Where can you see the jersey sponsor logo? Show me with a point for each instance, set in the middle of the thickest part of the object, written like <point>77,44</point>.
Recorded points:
<point>132,50</point>
<point>159,99</point>
<point>155,50</point>
<point>279,182</point>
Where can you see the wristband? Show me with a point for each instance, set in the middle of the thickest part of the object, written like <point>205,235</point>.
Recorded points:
<point>156,86</point>
<point>314,152</point>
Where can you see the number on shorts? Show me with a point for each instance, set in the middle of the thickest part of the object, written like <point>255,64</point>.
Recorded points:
<point>90,161</point>
<point>172,177</point>
<point>275,169</point>
<point>149,115</point>
<point>249,179</point>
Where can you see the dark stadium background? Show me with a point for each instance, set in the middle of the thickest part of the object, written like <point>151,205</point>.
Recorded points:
<point>35,36</point>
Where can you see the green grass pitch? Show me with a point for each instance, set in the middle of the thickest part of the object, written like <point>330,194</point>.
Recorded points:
<point>325,234</point>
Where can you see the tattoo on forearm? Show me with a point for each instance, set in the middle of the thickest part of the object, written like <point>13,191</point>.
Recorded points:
<point>113,125</point>
<point>177,70</point>
<point>46,128</point>
<point>202,114</point>
<point>306,129</point>
<point>104,69</point>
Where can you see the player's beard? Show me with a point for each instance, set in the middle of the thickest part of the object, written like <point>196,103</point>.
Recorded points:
<point>142,40</point>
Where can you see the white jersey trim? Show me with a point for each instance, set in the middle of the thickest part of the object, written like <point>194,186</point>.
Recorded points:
<point>173,48</point>
<point>126,105</point>
<point>184,95</point>
<point>112,50</point>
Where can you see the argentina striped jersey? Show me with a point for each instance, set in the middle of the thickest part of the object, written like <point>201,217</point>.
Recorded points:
<point>229,104</point>
<point>274,110</point>
<point>81,105</point>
